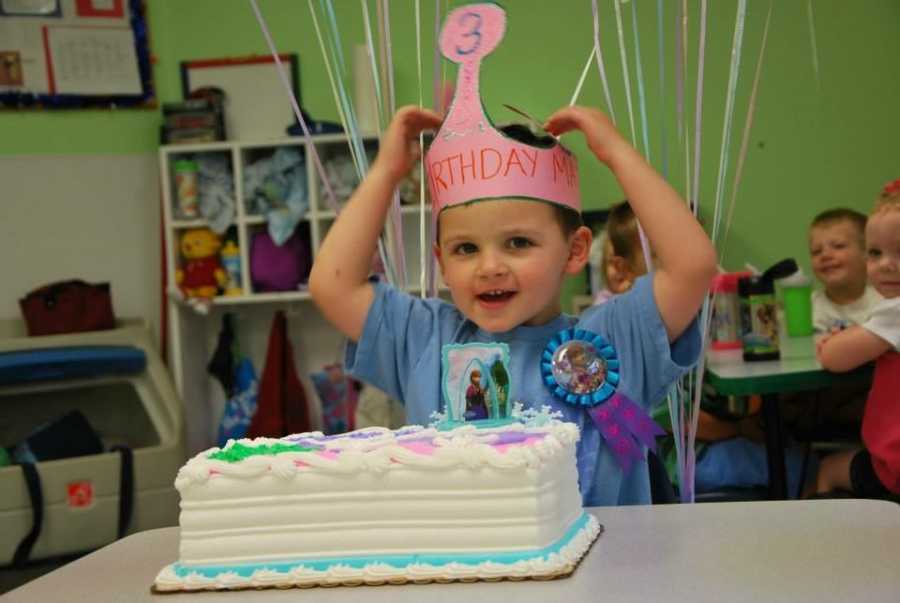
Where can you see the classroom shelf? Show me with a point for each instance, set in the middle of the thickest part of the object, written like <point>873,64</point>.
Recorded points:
<point>193,328</point>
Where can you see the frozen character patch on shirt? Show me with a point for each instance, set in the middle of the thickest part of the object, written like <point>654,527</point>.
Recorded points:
<point>581,368</point>
<point>475,381</point>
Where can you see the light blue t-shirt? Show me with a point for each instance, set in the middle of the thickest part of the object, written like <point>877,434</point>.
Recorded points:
<point>400,352</point>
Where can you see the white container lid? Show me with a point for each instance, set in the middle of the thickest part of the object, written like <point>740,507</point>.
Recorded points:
<point>798,279</point>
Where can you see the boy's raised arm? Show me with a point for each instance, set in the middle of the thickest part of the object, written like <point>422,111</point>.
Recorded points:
<point>338,281</point>
<point>686,257</point>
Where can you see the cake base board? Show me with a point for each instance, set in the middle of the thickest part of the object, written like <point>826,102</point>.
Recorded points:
<point>571,550</point>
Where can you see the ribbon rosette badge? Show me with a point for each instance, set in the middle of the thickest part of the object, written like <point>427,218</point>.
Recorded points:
<point>581,368</point>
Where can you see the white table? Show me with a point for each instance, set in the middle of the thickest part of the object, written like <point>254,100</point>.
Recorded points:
<point>781,551</point>
<point>797,370</point>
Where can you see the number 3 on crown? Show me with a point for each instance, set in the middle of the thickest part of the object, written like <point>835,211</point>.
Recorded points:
<point>472,32</point>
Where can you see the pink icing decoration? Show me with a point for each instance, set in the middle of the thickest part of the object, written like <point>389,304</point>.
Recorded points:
<point>531,441</point>
<point>420,448</point>
<point>470,159</point>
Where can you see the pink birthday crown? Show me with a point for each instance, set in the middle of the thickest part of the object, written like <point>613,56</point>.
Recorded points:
<point>470,159</point>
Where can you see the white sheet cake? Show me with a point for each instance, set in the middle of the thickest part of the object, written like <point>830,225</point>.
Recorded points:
<point>374,506</point>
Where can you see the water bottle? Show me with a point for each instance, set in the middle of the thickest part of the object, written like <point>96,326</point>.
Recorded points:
<point>759,319</point>
<point>797,292</point>
<point>725,331</point>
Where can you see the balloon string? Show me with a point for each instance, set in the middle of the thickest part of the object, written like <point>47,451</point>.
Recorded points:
<point>376,74</point>
<point>423,246</point>
<point>745,137</point>
<point>600,66</point>
<point>581,79</point>
<point>642,102</point>
<point>282,74</point>
<point>396,217</point>
<point>663,147</point>
<point>623,55</point>
<point>698,109</point>
<point>733,76</point>
<point>812,41</point>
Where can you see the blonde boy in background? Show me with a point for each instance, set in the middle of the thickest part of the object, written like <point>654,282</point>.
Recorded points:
<point>836,248</point>
<point>874,470</point>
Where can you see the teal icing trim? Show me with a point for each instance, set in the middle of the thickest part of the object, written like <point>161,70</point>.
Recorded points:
<point>246,570</point>
<point>479,424</point>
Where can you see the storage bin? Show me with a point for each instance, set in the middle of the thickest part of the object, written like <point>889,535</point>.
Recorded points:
<point>128,402</point>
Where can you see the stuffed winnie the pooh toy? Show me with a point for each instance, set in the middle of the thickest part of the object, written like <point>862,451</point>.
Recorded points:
<point>201,274</point>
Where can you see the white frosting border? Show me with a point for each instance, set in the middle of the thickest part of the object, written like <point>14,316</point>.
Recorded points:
<point>541,566</point>
<point>463,445</point>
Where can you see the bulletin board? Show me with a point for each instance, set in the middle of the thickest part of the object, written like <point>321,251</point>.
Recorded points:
<point>64,54</point>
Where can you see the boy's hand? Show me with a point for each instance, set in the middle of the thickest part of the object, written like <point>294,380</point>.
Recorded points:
<point>399,147</point>
<point>601,135</point>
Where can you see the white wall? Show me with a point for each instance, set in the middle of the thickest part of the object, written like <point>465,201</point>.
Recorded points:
<point>82,216</point>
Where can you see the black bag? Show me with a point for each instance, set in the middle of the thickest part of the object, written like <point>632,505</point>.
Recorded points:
<point>69,436</point>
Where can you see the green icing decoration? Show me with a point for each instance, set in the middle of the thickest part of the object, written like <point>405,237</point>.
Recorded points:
<point>238,452</point>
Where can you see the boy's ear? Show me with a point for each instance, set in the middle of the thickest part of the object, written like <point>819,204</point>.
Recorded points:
<point>579,250</point>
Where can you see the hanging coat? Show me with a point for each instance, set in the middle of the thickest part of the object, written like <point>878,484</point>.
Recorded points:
<point>282,407</point>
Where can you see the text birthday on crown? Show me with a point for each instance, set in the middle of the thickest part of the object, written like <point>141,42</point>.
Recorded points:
<point>488,163</point>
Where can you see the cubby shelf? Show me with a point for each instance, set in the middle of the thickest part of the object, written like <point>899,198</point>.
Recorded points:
<point>240,154</point>
<point>192,335</point>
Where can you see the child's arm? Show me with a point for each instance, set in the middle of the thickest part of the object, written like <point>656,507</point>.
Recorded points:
<point>338,282</point>
<point>687,259</point>
<point>850,348</point>
<point>713,429</point>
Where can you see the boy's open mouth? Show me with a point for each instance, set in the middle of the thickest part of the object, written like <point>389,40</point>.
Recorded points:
<point>495,296</point>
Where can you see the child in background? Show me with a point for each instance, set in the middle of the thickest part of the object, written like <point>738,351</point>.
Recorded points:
<point>730,453</point>
<point>874,470</point>
<point>504,261</point>
<point>622,261</point>
<point>836,248</point>
<point>837,252</point>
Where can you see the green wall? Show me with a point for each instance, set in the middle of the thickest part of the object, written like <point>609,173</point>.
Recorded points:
<point>813,145</point>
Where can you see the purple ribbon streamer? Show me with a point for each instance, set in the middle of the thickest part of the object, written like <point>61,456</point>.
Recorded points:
<point>625,427</point>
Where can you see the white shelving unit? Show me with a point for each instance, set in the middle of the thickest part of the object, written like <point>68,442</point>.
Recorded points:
<point>192,336</point>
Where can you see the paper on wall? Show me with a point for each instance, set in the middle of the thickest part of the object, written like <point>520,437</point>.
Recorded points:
<point>92,61</point>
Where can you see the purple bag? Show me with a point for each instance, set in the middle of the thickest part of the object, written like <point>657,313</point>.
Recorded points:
<point>274,268</point>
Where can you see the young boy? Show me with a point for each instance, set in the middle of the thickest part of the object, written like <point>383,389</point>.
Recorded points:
<point>836,248</point>
<point>874,471</point>
<point>508,233</point>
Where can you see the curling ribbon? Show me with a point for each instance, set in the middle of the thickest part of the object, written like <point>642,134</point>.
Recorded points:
<point>745,137</point>
<point>663,143</point>
<point>642,102</point>
<point>623,54</point>
<point>282,74</point>
<point>348,121</point>
<point>698,109</point>
<point>733,74</point>
<point>395,226</point>
<point>600,66</point>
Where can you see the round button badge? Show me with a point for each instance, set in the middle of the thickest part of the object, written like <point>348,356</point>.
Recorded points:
<point>580,367</point>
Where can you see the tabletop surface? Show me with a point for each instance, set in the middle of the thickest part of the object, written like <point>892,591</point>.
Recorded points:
<point>797,370</point>
<point>817,551</point>
<point>798,354</point>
